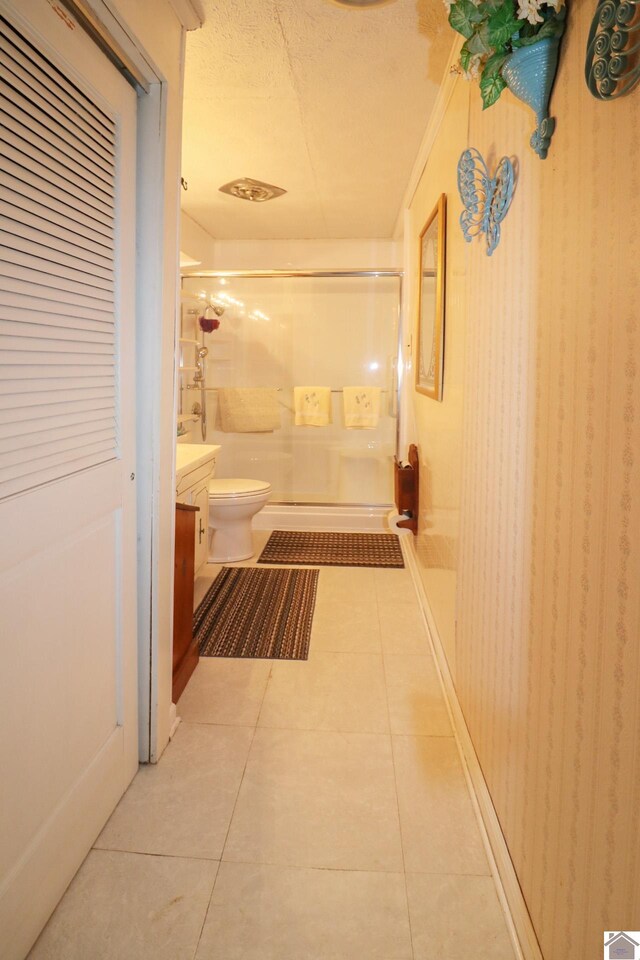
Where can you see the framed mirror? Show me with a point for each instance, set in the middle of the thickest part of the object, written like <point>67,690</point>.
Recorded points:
<point>430,355</point>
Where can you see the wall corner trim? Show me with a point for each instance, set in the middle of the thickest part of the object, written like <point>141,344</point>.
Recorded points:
<point>512,901</point>
<point>189,13</point>
<point>435,120</point>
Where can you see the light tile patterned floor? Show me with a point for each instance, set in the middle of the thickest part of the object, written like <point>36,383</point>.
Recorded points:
<point>303,811</point>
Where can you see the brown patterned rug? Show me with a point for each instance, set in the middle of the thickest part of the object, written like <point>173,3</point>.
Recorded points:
<point>333,549</point>
<point>264,614</point>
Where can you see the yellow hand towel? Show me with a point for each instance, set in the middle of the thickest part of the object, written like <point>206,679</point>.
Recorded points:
<point>361,407</point>
<point>312,406</point>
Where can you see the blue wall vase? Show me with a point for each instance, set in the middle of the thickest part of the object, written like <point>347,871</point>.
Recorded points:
<point>529,73</point>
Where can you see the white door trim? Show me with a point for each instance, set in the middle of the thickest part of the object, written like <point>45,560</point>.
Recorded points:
<point>157,313</point>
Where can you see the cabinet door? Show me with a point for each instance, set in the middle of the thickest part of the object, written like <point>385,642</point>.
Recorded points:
<point>201,500</point>
<point>185,652</point>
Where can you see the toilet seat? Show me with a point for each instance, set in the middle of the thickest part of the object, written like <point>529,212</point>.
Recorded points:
<point>224,489</point>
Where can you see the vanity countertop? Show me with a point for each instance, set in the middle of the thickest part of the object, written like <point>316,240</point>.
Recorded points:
<point>190,456</point>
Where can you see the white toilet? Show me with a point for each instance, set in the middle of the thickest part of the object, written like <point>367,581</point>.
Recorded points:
<point>232,504</point>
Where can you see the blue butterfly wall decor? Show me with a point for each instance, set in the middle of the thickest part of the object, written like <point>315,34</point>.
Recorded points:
<point>486,199</point>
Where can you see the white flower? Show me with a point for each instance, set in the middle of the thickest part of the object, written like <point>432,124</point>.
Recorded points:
<point>530,10</point>
<point>447,4</point>
<point>473,70</point>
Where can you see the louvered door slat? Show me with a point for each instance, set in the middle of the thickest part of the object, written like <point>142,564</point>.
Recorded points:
<point>31,347</point>
<point>34,313</point>
<point>75,304</point>
<point>53,370</point>
<point>33,359</point>
<point>68,282</point>
<point>51,434</point>
<point>20,112</point>
<point>49,387</point>
<point>15,459</point>
<point>66,454</point>
<point>34,169</point>
<point>27,433</point>
<point>54,467</point>
<point>56,322</point>
<point>64,126</point>
<point>32,332</point>
<point>63,98</point>
<point>40,152</point>
<point>46,222</point>
<point>45,270</point>
<point>58,343</point>
<point>20,250</point>
<point>57,203</point>
<point>75,411</point>
<point>89,395</point>
<point>51,128</point>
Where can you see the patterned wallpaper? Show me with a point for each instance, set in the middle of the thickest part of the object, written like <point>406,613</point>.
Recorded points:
<point>547,652</point>
<point>439,425</point>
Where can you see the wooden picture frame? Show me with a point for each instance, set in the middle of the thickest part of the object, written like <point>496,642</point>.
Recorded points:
<point>431,293</point>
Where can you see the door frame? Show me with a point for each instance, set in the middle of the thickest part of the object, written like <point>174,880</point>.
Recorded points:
<point>157,320</point>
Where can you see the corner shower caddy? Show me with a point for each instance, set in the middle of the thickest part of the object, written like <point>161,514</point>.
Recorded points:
<point>199,378</point>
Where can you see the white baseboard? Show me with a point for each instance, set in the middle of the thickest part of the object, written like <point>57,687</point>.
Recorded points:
<point>513,904</point>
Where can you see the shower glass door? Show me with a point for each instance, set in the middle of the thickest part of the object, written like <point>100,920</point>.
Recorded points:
<point>286,330</point>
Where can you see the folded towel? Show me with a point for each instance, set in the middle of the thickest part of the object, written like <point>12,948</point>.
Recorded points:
<point>312,406</point>
<point>361,407</point>
<point>248,409</point>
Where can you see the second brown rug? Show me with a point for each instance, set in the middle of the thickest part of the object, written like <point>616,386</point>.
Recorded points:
<point>264,614</point>
<point>333,549</point>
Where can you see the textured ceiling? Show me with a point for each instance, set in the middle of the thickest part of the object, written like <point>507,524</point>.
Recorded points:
<point>327,102</point>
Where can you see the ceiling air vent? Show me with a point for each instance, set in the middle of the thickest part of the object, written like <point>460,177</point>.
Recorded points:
<point>254,190</point>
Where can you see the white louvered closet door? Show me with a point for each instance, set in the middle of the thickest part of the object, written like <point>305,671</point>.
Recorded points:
<point>68,710</point>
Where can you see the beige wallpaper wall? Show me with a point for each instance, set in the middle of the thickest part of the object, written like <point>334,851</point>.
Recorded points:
<point>547,651</point>
<point>439,425</point>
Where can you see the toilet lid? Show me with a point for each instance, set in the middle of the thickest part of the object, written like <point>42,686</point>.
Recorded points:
<point>237,488</point>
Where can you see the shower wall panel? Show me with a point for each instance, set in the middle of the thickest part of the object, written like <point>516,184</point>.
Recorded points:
<point>282,332</point>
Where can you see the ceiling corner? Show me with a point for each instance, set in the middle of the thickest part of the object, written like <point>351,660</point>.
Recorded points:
<point>189,13</point>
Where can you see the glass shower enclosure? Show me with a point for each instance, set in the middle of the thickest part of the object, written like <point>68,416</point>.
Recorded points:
<point>285,329</point>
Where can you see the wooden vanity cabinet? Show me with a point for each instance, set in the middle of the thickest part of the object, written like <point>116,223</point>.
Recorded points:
<point>193,488</point>
<point>185,651</point>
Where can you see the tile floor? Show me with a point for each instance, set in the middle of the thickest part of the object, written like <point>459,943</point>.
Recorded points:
<point>323,812</point>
